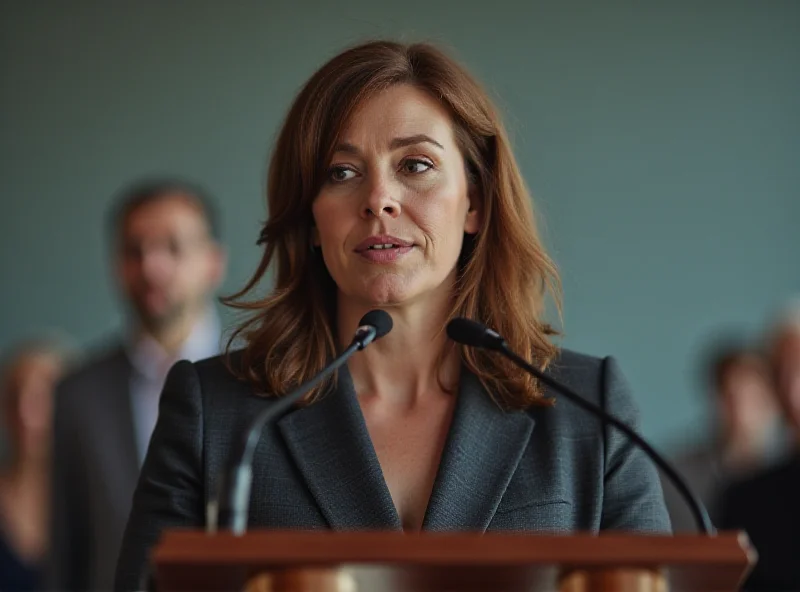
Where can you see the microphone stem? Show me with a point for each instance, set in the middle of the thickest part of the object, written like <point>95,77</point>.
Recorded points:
<point>283,404</point>
<point>234,498</point>
<point>699,512</point>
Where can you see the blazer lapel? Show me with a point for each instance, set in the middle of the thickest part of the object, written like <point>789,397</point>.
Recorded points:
<point>331,446</point>
<point>480,456</point>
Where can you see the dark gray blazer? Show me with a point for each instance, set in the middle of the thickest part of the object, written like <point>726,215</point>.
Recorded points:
<point>95,468</point>
<point>548,469</point>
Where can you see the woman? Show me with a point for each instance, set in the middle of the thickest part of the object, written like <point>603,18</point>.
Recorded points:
<point>393,186</point>
<point>29,379</point>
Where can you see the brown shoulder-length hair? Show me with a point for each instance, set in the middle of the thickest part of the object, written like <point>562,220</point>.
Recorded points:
<point>504,273</point>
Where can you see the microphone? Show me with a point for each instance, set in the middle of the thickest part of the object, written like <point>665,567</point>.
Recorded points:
<point>230,511</point>
<point>473,334</point>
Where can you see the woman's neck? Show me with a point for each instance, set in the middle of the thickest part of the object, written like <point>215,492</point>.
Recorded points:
<point>412,361</point>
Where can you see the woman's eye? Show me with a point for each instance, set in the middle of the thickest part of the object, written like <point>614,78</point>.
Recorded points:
<point>339,174</point>
<point>416,165</point>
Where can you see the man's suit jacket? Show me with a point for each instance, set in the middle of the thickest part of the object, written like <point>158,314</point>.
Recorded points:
<point>767,506</point>
<point>703,472</point>
<point>95,468</point>
<point>547,469</point>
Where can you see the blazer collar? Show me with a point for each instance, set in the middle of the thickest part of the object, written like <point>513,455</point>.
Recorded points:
<point>331,447</point>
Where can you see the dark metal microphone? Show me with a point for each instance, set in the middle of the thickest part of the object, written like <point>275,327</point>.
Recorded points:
<point>230,510</point>
<point>473,334</point>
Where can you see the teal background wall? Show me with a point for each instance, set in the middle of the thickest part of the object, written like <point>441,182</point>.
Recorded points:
<point>661,141</point>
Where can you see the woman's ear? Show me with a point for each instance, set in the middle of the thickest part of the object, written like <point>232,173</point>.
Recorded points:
<point>474,219</point>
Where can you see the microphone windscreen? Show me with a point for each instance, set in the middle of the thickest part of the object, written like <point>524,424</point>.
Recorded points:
<point>380,319</point>
<point>467,332</point>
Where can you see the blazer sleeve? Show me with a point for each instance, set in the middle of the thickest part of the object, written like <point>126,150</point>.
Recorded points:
<point>632,495</point>
<point>170,489</point>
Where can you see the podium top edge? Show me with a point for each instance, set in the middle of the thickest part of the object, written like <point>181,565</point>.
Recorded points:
<point>453,548</point>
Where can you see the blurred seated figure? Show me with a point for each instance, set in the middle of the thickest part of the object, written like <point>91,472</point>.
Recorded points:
<point>767,505</point>
<point>26,391</point>
<point>746,436</point>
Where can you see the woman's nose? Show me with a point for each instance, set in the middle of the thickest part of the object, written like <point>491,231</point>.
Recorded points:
<point>381,200</point>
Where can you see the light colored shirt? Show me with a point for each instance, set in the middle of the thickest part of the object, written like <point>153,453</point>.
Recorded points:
<point>151,364</point>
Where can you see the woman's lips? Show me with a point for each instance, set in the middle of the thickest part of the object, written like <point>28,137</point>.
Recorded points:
<point>384,255</point>
<point>383,248</point>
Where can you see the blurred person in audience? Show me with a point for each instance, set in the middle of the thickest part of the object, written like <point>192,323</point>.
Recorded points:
<point>767,505</point>
<point>168,264</point>
<point>746,437</point>
<point>28,379</point>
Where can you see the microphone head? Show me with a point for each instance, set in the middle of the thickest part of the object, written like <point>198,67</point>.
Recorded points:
<point>473,334</point>
<point>379,319</point>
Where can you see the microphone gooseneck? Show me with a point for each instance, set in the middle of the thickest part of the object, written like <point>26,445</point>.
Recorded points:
<point>230,511</point>
<point>473,334</point>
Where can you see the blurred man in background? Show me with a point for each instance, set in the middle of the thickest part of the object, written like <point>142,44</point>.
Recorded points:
<point>746,437</point>
<point>169,263</point>
<point>767,505</point>
<point>28,379</point>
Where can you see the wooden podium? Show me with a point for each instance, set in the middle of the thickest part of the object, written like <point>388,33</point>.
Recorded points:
<point>292,561</point>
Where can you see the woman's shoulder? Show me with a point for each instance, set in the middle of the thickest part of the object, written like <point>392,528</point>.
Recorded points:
<point>568,360</point>
<point>581,372</point>
<point>211,389</point>
<point>220,369</point>
<point>214,380</point>
<point>596,379</point>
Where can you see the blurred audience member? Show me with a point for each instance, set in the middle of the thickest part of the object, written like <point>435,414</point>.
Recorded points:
<point>29,377</point>
<point>767,505</point>
<point>169,263</point>
<point>746,436</point>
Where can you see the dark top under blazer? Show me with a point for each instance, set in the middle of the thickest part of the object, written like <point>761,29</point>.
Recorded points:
<point>549,469</point>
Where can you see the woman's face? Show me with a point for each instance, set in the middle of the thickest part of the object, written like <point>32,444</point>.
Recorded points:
<point>392,214</point>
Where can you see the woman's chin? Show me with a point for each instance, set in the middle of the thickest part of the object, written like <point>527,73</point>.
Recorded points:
<point>388,292</point>
<point>386,298</point>
<point>397,290</point>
